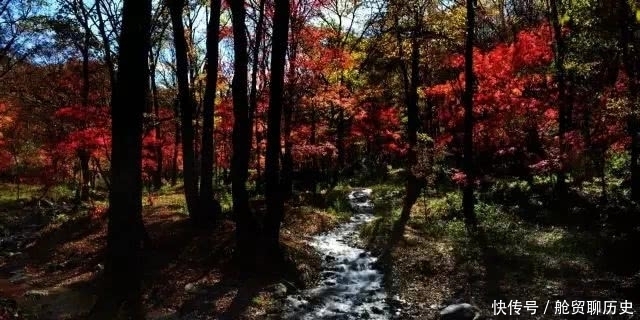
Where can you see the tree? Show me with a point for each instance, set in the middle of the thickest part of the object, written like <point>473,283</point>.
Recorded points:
<point>564,112</point>
<point>73,26</point>
<point>274,197</point>
<point>208,205</point>
<point>123,268</point>
<point>467,198</point>
<point>245,224</point>
<point>20,30</point>
<point>186,104</point>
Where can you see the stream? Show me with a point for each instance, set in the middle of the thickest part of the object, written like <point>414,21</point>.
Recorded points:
<point>350,286</point>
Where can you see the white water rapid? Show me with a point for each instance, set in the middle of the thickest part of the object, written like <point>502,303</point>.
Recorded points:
<point>350,286</point>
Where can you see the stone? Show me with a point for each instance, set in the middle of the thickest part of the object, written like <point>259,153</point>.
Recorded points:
<point>191,288</point>
<point>460,311</point>
<point>279,290</point>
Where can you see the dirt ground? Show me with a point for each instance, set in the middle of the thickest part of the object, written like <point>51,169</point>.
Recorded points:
<point>188,274</point>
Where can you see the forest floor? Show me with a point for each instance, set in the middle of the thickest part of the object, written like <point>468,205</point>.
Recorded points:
<point>51,270</point>
<point>436,263</point>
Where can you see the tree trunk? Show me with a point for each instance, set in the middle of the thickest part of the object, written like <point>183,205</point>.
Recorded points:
<point>106,43</point>
<point>287,160</point>
<point>176,144</point>
<point>467,196</point>
<point>253,94</point>
<point>563,117</point>
<point>176,8</point>
<point>410,83</point>
<point>241,142</point>
<point>209,207</point>
<point>84,156</point>
<point>274,196</point>
<point>125,229</point>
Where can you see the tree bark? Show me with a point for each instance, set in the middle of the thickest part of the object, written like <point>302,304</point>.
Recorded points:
<point>253,94</point>
<point>84,156</point>
<point>287,159</point>
<point>467,196</point>
<point>176,144</point>
<point>274,196</point>
<point>176,8</point>
<point>563,116</point>
<point>241,142</point>
<point>209,207</point>
<point>125,228</point>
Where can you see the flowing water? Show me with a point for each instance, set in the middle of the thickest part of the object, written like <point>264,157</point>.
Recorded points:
<point>350,286</point>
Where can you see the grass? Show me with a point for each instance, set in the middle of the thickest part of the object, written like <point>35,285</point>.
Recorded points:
<point>437,262</point>
<point>9,192</point>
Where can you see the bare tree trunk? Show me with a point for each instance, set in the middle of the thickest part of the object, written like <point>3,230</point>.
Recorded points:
<point>413,183</point>
<point>176,144</point>
<point>176,8</point>
<point>287,159</point>
<point>253,94</point>
<point>467,196</point>
<point>563,116</point>
<point>123,270</point>
<point>84,156</point>
<point>209,207</point>
<point>274,197</point>
<point>245,224</point>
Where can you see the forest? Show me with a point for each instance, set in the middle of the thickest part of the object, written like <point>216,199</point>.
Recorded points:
<point>319,159</point>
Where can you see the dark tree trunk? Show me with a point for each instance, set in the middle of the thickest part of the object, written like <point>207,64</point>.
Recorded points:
<point>287,159</point>
<point>176,8</point>
<point>253,94</point>
<point>176,144</point>
<point>125,229</point>
<point>563,116</point>
<point>410,84</point>
<point>84,156</point>
<point>467,196</point>
<point>413,184</point>
<point>209,207</point>
<point>245,224</point>
<point>274,196</point>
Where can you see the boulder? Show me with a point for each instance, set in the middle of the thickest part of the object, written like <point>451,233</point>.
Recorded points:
<point>460,311</point>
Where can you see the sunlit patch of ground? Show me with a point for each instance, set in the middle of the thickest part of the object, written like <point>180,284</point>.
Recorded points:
<point>436,263</point>
<point>187,272</point>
